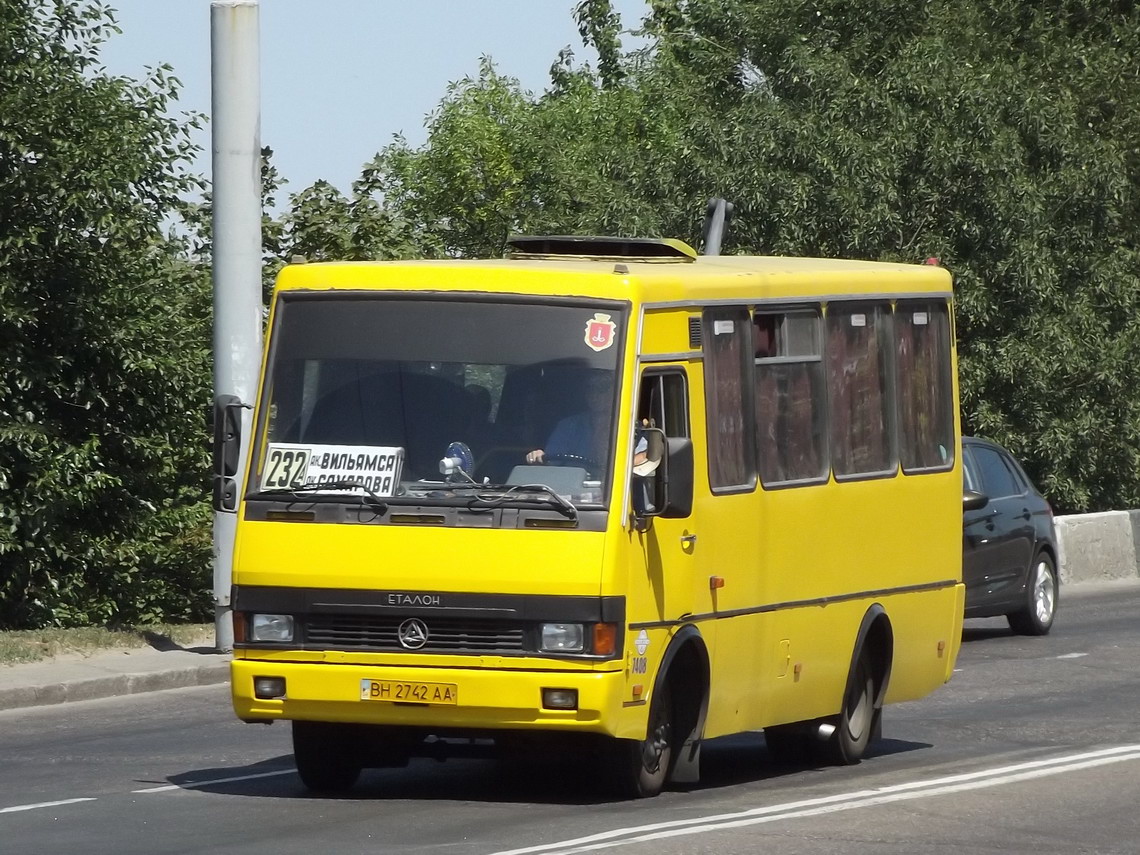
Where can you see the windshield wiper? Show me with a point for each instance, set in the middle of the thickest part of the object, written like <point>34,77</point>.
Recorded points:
<point>345,484</point>
<point>511,491</point>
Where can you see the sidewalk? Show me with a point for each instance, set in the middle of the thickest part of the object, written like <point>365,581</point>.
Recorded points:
<point>104,675</point>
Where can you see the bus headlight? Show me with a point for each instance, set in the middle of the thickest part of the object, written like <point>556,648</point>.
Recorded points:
<point>271,627</point>
<point>563,638</point>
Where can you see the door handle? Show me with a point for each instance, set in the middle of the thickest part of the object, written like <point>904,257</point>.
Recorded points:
<point>688,539</point>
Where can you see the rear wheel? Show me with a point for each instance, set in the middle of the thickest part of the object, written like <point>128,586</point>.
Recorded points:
<point>326,755</point>
<point>641,767</point>
<point>856,720</point>
<point>1036,618</point>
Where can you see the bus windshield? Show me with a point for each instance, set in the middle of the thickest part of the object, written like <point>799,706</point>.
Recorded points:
<point>379,391</point>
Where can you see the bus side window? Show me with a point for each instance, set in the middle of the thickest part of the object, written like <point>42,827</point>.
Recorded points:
<point>860,389</point>
<point>924,379</point>
<point>726,340</point>
<point>790,398</point>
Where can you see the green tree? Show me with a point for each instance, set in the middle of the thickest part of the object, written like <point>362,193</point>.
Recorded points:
<point>104,334</point>
<point>994,134</point>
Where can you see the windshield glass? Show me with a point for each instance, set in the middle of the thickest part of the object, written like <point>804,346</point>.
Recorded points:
<point>379,391</point>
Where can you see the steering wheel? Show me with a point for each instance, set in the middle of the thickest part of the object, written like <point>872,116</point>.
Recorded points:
<point>587,463</point>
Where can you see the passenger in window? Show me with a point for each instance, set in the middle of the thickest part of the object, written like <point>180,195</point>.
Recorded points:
<point>583,437</point>
<point>764,336</point>
<point>647,452</point>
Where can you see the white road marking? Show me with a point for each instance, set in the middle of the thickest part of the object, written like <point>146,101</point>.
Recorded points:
<point>1071,655</point>
<point>16,808</point>
<point>189,785</point>
<point>840,802</point>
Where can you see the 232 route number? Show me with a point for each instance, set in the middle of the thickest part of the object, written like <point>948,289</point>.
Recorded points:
<point>285,467</point>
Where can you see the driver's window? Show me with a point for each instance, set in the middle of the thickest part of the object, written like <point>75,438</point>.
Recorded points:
<point>662,406</point>
<point>664,403</point>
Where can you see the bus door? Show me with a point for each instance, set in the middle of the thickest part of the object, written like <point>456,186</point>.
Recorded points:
<point>669,550</point>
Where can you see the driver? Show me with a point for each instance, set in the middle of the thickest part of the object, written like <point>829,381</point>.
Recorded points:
<point>583,436</point>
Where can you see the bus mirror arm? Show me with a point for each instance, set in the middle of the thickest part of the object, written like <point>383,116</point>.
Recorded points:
<point>227,450</point>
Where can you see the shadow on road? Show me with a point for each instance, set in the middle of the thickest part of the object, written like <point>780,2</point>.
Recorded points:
<point>725,762</point>
<point>986,631</point>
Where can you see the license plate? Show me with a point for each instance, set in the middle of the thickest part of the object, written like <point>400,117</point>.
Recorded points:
<point>399,692</point>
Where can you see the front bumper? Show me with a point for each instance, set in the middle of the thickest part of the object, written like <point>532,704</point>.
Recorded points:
<point>486,698</point>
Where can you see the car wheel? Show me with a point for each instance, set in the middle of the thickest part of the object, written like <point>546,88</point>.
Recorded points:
<point>325,756</point>
<point>1036,617</point>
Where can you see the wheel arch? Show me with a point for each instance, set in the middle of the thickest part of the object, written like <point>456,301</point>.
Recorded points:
<point>686,666</point>
<point>877,636</point>
<point>1050,548</point>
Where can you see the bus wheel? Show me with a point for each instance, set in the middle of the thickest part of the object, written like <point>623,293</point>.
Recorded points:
<point>856,720</point>
<point>642,766</point>
<point>325,756</point>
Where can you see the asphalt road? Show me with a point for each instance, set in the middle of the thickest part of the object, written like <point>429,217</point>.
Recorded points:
<point>1033,747</point>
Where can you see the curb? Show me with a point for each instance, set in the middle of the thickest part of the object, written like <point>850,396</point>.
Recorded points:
<point>113,685</point>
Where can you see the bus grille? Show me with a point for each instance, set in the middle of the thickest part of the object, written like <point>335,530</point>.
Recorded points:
<point>457,635</point>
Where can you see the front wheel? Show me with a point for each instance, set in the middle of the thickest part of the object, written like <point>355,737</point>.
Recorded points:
<point>1036,618</point>
<point>641,767</point>
<point>326,756</point>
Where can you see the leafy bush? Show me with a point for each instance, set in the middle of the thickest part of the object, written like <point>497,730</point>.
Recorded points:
<point>104,335</point>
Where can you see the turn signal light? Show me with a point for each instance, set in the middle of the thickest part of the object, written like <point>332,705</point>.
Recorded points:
<point>605,639</point>
<point>240,625</point>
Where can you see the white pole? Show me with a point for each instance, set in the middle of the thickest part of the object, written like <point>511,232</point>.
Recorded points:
<point>236,135</point>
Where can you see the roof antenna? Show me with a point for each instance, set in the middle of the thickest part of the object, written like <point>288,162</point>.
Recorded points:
<point>718,214</point>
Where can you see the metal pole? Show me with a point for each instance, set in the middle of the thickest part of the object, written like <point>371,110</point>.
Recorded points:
<point>236,145</point>
<point>717,215</point>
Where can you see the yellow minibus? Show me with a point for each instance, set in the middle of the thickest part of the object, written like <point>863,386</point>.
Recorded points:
<point>603,496</point>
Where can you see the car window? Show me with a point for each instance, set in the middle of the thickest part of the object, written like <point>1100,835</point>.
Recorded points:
<point>998,479</point>
<point>970,470</point>
<point>1024,485</point>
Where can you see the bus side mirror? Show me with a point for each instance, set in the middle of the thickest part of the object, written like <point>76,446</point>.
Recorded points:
<point>678,478</point>
<point>666,490</point>
<point>227,450</point>
<point>648,481</point>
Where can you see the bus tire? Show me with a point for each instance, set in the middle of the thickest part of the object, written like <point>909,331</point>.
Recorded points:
<point>857,717</point>
<point>326,756</point>
<point>641,766</point>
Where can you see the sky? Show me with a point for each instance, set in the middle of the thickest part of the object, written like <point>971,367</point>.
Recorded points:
<point>339,78</point>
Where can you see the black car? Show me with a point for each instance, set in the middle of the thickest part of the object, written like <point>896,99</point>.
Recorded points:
<point>1009,550</point>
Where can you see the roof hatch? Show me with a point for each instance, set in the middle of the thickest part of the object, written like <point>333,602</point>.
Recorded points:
<point>600,248</point>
